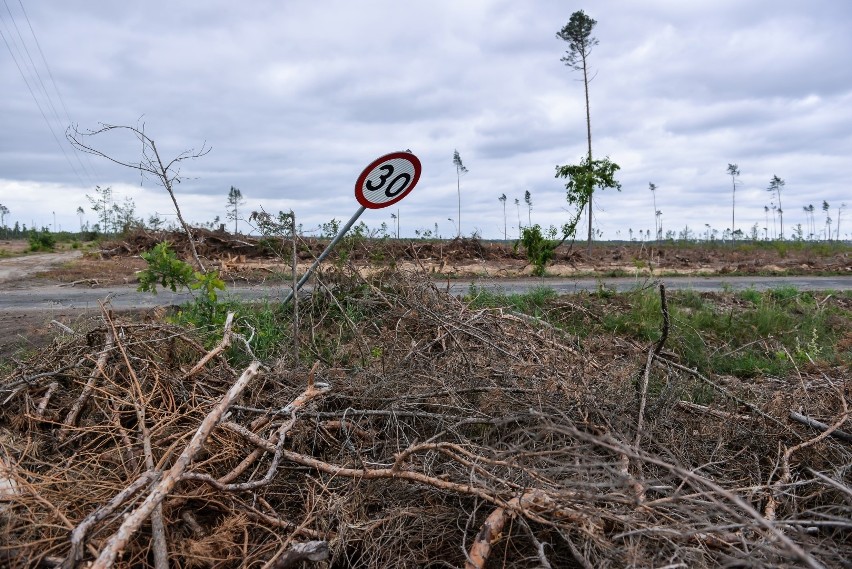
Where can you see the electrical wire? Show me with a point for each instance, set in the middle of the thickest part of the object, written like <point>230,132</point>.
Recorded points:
<point>88,171</point>
<point>18,60</point>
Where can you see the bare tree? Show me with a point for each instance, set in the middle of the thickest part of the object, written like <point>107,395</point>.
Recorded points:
<point>151,164</point>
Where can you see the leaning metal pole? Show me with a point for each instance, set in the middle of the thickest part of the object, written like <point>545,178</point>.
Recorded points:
<point>324,254</point>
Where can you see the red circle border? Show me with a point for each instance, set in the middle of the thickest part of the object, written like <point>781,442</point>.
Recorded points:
<point>359,185</point>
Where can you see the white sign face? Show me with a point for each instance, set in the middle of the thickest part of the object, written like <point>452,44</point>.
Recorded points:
<point>387,180</point>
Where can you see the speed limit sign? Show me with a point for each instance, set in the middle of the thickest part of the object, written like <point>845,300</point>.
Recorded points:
<point>387,180</point>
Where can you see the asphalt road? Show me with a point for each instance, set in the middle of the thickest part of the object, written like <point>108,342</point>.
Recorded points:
<point>55,297</point>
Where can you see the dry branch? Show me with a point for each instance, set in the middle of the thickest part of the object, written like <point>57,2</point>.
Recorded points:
<point>834,432</point>
<point>308,551</point>
<point>444,408</point>
<point>220,347</point>
<point>71,418</point>
<point>489,533</point>
<point>78,535</point>
<point>131,524</point>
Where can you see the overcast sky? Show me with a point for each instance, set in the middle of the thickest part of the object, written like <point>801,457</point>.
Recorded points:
<point>296,98</point>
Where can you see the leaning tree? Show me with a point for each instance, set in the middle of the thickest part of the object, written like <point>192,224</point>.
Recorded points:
<point>166,173</point>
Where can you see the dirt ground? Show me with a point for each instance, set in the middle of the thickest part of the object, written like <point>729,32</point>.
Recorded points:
<point>249,259</point>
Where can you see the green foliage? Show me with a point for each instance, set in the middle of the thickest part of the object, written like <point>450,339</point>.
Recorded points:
<point>532,302</point>
<point>767,334</point>
<point>538,249</point>
<point>583,179</point>
<point>751,295</point>
<point>275,230</point>
<point>207,284</point>
<point>578,33</point>
<point>42,241</point>
<point>166,269</point>
<point>330,229</point>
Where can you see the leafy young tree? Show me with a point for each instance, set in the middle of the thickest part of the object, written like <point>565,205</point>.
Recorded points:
<point>235,200</point>
<point>528,201</point>
<point>578,33</point>
<point>734,172</point>
<point>776,184</point>
<point>460,169</point>
<point>502,200</point>
<point>583,179</point>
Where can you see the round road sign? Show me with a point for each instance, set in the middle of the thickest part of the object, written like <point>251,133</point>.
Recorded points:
<point>387,180</point>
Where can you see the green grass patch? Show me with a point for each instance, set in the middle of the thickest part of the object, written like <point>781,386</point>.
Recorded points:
<point>532,302</point>
<point>745,334</point>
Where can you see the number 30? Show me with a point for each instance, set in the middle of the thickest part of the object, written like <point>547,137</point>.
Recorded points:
<point>388,172</point>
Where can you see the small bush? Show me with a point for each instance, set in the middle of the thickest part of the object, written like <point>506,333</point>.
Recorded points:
<point>539,250</point>
<point>42,241</point>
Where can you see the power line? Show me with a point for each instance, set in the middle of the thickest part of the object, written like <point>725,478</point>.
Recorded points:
<point>58,94</point>
<point>29,87</point>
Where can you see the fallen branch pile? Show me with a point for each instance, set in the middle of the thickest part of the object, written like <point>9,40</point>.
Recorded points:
<point>427,434</point>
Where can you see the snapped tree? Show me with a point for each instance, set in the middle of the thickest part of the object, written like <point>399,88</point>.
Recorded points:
<point>776,184</point>
<point>235,200</point>
<point>81,214</point>
<point>518,207</point>
<point>734,172</point>
<point>502,199</point>
<point>460,169</point>
<point>578,33</point>
<point>657,231</point>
